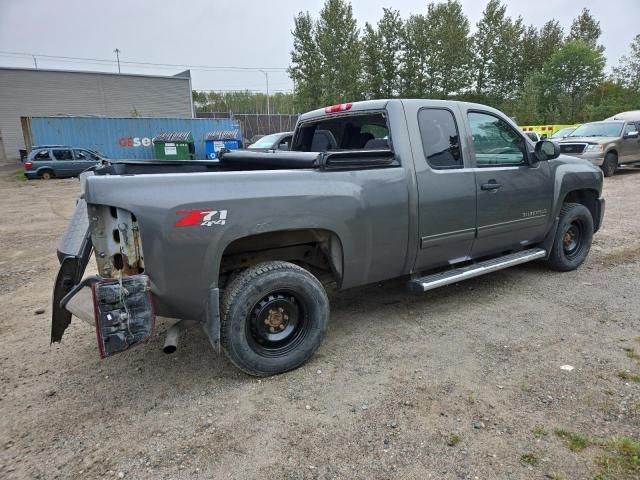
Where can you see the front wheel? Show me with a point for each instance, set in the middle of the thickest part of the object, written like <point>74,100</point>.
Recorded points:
<point>610,164</point>
<point>274,317</point>
<point>573,238</point>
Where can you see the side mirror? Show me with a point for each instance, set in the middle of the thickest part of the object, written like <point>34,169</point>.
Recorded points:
<point>547,150</point>
<point>284,146</point>
<point>633,134</point>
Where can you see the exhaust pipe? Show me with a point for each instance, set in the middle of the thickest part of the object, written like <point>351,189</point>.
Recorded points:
<point>173,335</point>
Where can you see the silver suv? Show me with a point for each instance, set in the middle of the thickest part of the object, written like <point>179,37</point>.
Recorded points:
<point>607,144</point>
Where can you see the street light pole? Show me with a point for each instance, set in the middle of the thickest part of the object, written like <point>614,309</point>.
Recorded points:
<point>266,76</point>
<point>117,52</point>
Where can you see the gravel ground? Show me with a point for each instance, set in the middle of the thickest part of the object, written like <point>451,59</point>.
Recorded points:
<point>461,382</point>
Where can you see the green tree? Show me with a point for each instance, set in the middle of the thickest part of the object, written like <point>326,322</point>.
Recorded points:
<point>415,58</point>
<point>390,32</point>
<point>450,47</point>
<point>339,49</point>
<point>586,28</point>
<point>381,56</point>
<point>371,62</point>
<point>627,72</point>
<point>487,45</point>
<point>305,68</point>
<point>570,74</point>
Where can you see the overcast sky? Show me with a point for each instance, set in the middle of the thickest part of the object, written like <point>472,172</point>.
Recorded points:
<point>232,33</point>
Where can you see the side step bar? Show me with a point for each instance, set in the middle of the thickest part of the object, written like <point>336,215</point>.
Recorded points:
<point>448,277</point>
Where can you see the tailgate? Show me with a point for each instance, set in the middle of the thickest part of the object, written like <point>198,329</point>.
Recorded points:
<point>74,250</point>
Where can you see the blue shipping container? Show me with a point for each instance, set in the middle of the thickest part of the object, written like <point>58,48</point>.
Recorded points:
<point>120,138</point>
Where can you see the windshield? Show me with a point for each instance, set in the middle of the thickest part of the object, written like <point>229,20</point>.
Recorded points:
<point>563,132</point>
<point>599,129</point>
<point>266,142</point>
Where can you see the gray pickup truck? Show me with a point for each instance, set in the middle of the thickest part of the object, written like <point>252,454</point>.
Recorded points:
<point>435,191</point>
<point>606,144</point>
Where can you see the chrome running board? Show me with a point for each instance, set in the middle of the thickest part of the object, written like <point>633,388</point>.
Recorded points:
<point>448,277</point>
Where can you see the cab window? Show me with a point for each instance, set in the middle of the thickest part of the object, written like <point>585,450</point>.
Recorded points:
<point>352,132</point>
<point>496,143</point>
<point>440,138</point>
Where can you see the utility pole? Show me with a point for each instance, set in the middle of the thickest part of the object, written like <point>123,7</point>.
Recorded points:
<point>266,76</point>
<point>35,62</point>
<point>117,52</point>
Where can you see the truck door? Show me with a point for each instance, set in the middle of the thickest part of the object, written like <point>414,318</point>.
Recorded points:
<point>630,144</point>
<point>513,197</point>
<point>446,187</point>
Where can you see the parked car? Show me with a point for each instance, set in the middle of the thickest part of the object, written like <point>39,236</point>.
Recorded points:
<point>534,136</point>
<point>323,140</point>
<point>607,144</point>
<point>435,191</point>
<point>275,141</point>
<point>60,161</point>
<point>563,133</point>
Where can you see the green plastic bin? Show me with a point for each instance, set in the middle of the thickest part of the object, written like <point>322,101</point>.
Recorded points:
<point>174,146</point>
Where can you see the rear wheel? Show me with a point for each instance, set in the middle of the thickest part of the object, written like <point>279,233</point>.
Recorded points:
<point>610,164</point>
<point>46,175</point>
<point>573,238</point>
<point>274,317</point>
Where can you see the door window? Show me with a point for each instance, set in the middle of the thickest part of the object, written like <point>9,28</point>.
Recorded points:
<point>440,138</point>
<point>85,156</point>
<point>62,155</point>
<point>631,127</point>
<point>495,142</point>
<point>284,143</point>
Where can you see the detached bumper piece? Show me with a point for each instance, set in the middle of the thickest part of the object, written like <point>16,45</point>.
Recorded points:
<point>123,313</point>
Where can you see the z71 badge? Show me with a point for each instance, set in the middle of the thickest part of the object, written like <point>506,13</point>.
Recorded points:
<point>201,218</point>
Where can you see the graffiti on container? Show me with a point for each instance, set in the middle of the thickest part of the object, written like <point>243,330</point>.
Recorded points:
<point>134,142</point>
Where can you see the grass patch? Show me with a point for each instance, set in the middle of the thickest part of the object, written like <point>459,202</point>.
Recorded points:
<point>539,431</point>
<point>575,441</point>
<point>622,461</point>
<point>19,176</point>
<point>453,439</point>
<point>530,459</point>
<point>631,353</point>
<point>629,377</point>
<point>636,407</point>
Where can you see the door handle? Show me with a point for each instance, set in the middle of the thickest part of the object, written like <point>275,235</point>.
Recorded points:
<point>492,185</point>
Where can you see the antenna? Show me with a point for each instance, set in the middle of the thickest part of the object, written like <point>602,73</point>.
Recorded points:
<point>117,52</point>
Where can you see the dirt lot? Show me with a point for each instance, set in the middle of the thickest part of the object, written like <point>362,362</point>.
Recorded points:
<point>462,382</point>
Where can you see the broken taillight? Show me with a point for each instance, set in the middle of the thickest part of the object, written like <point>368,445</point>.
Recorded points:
<point>28,165</point>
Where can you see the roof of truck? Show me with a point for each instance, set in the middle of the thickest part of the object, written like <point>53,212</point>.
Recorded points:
<point>381,105</point>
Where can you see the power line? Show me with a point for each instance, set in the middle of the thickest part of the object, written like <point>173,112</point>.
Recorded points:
<point>99,61</point>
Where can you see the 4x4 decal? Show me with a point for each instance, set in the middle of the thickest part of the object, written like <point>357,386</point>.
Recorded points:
<point>201,218</point>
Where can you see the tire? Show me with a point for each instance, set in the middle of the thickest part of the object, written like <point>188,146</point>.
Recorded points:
<point>573,238</point>
<point>47,175</point>
<point>610,164</point>
<point>274,317</point>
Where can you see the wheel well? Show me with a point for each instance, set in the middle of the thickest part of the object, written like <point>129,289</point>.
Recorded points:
<point>588,198</point>
<point>613,150</point>
<point>317,250</point>
<point>46,169</point>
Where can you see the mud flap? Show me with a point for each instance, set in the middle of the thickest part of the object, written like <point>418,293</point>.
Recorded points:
<point>123,312</point>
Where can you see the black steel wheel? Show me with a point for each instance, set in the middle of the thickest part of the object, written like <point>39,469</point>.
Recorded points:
<point>573,238</point>
<point>274,317</point>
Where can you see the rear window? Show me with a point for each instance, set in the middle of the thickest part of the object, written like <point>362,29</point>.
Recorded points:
<point>41,156</point>
<point>351,132</point>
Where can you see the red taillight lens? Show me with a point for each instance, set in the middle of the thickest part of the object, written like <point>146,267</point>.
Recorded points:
<point>341,107</point>
<point>28,165</point>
